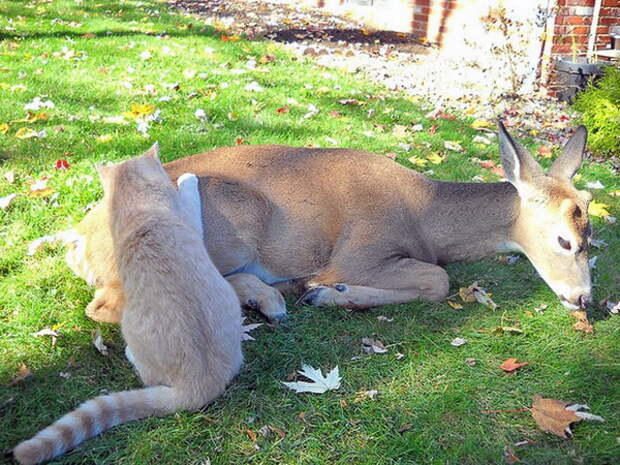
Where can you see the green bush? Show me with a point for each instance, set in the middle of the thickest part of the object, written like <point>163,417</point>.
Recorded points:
<point>600,108</point>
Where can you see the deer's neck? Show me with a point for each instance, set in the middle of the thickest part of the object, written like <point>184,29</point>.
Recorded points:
<point>471,221</point>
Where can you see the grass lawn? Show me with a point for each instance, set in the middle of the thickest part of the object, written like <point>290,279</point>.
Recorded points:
<point>94,60</point>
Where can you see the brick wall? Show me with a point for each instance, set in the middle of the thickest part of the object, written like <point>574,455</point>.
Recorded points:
<point>573,21</point>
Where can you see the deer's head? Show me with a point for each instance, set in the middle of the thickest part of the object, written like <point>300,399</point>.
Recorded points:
<point>552,228</point>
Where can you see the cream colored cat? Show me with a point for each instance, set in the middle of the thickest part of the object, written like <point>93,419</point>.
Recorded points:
<point>181,319</point>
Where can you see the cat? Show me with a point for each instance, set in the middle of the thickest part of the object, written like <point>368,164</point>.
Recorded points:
<point>181,319</point>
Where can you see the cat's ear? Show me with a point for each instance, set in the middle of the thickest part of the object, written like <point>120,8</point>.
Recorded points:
<point>153,152</point>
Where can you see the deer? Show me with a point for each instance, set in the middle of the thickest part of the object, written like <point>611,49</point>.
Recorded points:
<point>347,228</point>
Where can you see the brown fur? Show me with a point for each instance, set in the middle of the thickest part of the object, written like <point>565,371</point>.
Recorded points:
<point>336,216</point>
<point>181,320</point>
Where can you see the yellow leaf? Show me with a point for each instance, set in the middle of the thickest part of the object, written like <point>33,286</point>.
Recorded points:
<point>25,133</point>
<point>481,123</point>
<point>615,193</point>
<point>138,110</point>
<point>103,138</point>
<point>455,305</point>
<point>4,128</point>
<point>419,162</point>
<point>435,158</point>
<point>598,209</point>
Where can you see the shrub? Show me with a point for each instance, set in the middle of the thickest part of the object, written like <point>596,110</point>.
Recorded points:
<point>600,108</point>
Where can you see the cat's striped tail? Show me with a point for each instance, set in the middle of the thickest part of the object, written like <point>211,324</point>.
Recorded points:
<point>95,416</point>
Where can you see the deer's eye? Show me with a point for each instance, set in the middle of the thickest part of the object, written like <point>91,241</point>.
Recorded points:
<point>564,243</point>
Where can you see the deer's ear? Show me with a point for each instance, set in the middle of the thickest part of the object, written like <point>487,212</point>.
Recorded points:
<point>153,152</point>
<point>569,161</point>
<point>520,168</point>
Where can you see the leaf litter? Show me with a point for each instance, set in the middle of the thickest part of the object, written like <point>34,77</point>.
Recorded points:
<point>318,383</point>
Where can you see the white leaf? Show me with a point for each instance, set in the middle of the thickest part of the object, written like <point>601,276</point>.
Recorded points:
<point>592,262</point>
<point>245,335</point>
<point>38,244</point>
<point>319,384</point>
<point>46,332</point>
<point>595,185</point>
<point>313,110</point>
<point>458,342</point>
<point>584,415</point>
<point>598,243</point>
<point>254,87</point>
<point>200,114</point>
<point>452,145</point>
<point>6,201</point>
<point>98,343</point>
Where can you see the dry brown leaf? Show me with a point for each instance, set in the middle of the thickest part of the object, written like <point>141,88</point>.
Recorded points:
<point>22,373</point>
<point>582,323</point>
<point>475,293</point>
<point>551,416</point>
<point>509,456</point>
<point>511,365</point>
<point>250,434</point>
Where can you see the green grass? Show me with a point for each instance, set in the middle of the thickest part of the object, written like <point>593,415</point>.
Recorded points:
<point>430,407</point>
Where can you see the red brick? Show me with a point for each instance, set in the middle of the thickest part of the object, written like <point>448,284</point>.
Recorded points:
<point>560,48</point>
<point>577,20</point>
<point>608,20</point>
<point>421,2</point>
<point>610,3</point>
<point>580,2</point>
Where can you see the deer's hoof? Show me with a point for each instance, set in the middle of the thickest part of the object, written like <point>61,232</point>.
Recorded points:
<point>312,296</point>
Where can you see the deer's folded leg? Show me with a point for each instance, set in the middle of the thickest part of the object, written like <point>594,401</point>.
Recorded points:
<point>399,281</point>
<point>255,294</point>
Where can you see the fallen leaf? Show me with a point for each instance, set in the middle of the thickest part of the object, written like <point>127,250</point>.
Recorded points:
<point>511,365</point>
<point>475,293</point>
<point>458,342</point>
<point>39,188</point>
<point>545,151</point>
<point>509,456</point>
<point>454,305</point>
<point>399,131</point>
<point>417,161</point>
<point>22,373</point>
<point>363,395</point>
<point>267,58</point>
<point>254,87</point>
<point>26,133</point>
<point>98,343</point>
<point>104,138</point>
<point>6,201</point>
<point>384,318</point>
<point>245,335</point>
<point>61,164</point>
<point>319,384</point>
<point>9,176</point>
<point>282,110</point>
<point>471,361</point>
<point>239,141</point>
<point>555,416</point>
<point>4,128</point>
<point>372,346</point>
<point>250,434</point>
<point>47,332</point>
<point>582,323</point>
<point>139,110</point>
<point>481,124</point>
<point>595,185</point>
<point>435,158</point>
<point>38,244</point>
<point>598,209</point>
<point>452,145</point>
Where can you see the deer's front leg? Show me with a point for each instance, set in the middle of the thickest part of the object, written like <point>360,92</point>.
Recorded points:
<point>255,294</point>
<point>399,281</point>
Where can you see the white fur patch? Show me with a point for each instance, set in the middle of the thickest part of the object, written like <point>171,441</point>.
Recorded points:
<point>190,198</point>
